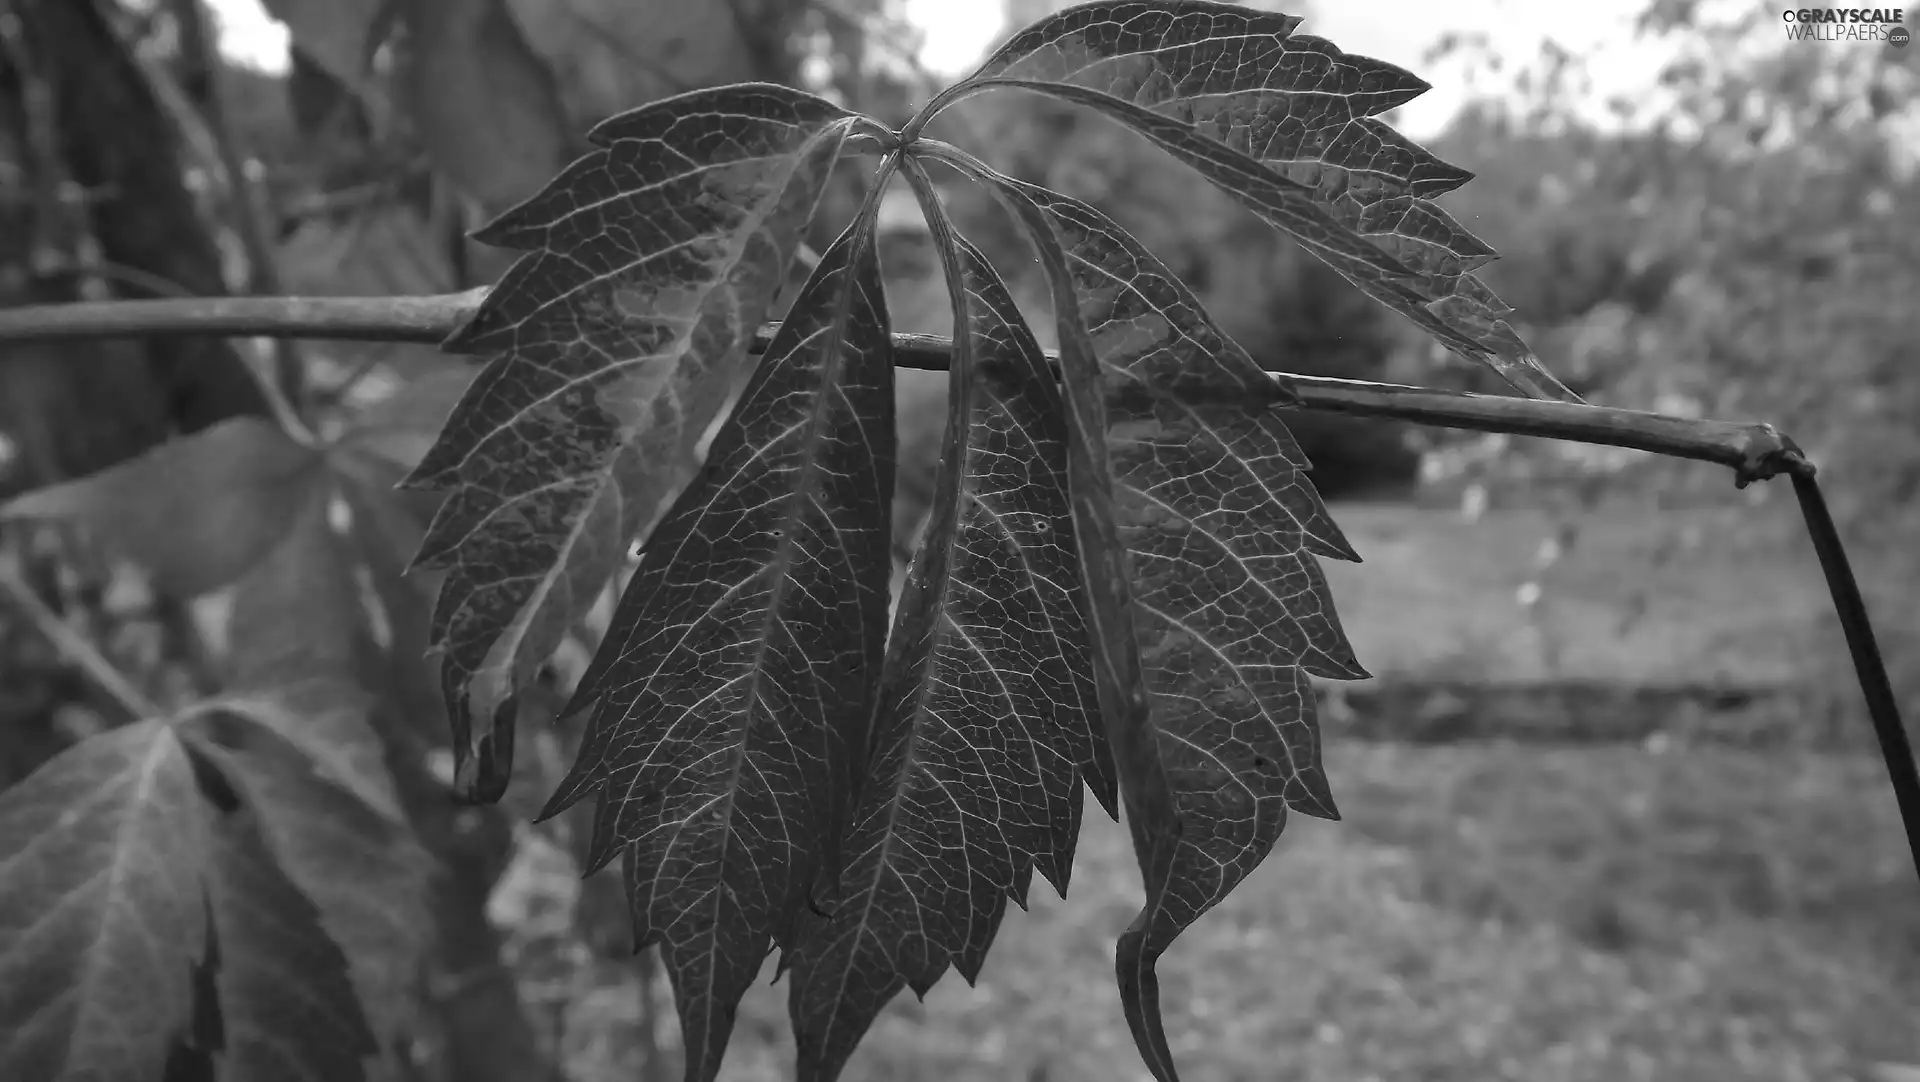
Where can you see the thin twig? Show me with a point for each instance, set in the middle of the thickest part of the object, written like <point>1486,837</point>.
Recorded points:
<point>143,280</point>
<point>1754,450</point>
<point>74,646</point>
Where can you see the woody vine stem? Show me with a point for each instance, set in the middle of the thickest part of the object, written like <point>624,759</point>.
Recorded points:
<point>1754,451</point>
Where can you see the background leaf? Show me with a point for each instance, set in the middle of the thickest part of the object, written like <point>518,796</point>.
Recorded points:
<point>611,54</point>
<point>197,511</point>
<point>341,37</point>
<point>732,690</point>
<point>985,704</point>
<point>298,613</point>
<point>362,877</point>
<point>402,427</point>
<point>1284,123</point>
<point>486,105</point>
<point>287,1008</point>
<point>327,719</point>
<point>103,918</point>
<point>618,340</point>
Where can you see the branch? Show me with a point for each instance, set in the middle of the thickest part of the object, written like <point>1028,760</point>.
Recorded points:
<point>1755,451</point>
<point>285,389</point>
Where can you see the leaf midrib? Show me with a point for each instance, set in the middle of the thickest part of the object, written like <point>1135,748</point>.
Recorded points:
<point>779,567</point>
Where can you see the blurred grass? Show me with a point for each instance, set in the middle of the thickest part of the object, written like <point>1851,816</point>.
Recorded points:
<point>1487,912</point>
<point>1638,595</point>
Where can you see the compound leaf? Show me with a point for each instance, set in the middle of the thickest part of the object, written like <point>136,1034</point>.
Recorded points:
<point>617,340</point>
<point>1283,122</point>
<point>985,705</point>
<point>196,512</point>
<point>103,917</point>
<point>731,693</point>
<point>1203,573</point>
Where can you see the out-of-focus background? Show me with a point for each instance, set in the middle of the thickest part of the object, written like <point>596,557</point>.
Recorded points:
<point>1612,809</point>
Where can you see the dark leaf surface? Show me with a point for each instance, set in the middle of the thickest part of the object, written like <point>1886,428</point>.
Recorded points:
<point>196,512</point>
<point>617,339</point>
<point>102,918</point>
<point>1227,612</point>
<point>986,701</point>
<point>731,693</point>
<point>1284,122</point>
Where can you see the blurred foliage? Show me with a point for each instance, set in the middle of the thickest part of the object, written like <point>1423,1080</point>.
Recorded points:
<point>1741,250</point>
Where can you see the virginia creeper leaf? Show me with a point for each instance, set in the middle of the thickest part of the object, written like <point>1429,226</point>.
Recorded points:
<point>985,704</point>
<point>1207,585</point>
<point>617,339</point>
<point>103,917</point>
<point>1283,122</point>
<point>196,512</point>
<point>731,693</point>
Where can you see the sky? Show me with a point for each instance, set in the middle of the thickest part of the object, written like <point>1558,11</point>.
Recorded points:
<point>957,32</point>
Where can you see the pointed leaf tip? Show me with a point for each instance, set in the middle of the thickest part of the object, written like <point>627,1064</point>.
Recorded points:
<point>1133,967</point>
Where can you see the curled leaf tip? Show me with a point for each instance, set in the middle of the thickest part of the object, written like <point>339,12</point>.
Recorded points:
<point>484,765</point>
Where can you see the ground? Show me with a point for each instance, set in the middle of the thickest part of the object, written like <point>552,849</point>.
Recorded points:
<point>1655,901</point>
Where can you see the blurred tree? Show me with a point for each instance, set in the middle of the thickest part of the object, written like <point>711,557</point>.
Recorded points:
<point>1734,249</point>
<point>103,210</point>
